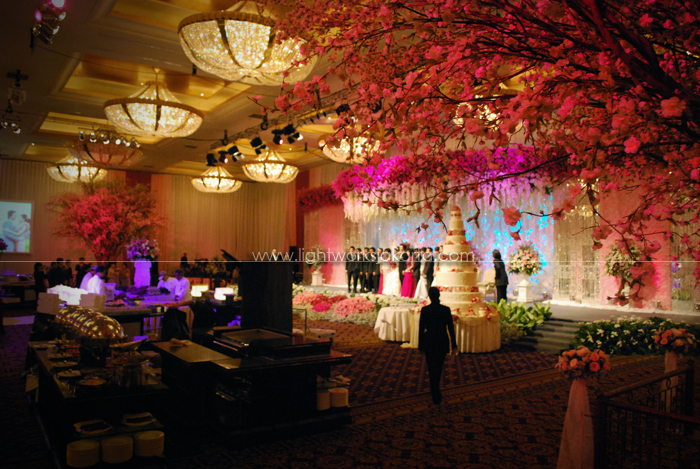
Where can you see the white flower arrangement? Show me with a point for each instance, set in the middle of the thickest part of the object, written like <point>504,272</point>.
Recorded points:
<point>618,262</point>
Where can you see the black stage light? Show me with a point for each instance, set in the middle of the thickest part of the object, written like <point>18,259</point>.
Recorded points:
<point>81,136</point>
<point>211,159</point>
<point>223,157</point>
<point>288,130</point>
<point>258,150</point>
<point>277,139</point>
<point>294,137</point>
<point>256,142</point>
<point>135,143</point>
<point>233,151</point>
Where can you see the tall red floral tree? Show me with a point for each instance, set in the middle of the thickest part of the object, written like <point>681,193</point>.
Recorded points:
<point>106,217</point>
<point>605,92</point>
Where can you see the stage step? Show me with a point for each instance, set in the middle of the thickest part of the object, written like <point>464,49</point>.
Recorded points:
<point>554,336</point>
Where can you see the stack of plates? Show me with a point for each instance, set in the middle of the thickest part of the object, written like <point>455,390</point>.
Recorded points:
<point>148,444</point>
<point>339,397</point>
<point>117,449</point>
<point>83,453</point>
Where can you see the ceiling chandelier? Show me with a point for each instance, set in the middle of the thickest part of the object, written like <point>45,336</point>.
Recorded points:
<point>351,150</point>
<point>153,111</point>
<point>105,148</point>
<point>71,169</point>
<point>239,45</point>
<point>270,167</point>
<point>216,180</point>
<point>477,111</point>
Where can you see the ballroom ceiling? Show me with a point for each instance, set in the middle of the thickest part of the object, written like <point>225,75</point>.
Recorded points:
<point>106,49</point>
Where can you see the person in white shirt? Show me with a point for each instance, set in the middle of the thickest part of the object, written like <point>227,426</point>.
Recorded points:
<point>96,284</point>
<point>167,282</point>
<point>86,278</point>
<point>182,291</point>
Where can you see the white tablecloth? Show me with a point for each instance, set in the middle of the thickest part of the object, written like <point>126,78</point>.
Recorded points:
<point>394,324</point>
<point>474,335</point>
<point>477,335</point>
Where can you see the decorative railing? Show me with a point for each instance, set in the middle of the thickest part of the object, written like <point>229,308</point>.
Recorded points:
<point>649,424</point>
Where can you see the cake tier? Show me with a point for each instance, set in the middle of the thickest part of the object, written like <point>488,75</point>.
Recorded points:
<point>460,231</point>
<point>455,279</point>
<point>456,248</point>
<point>474,309</point>
<point>457,266</point>
<point>455,223</point>
<point>456,239</point>
<point>462,297</point>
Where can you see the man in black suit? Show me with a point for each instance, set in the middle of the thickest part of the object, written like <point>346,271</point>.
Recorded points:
<point>374,267</point>
<point>403,257</point>
<point>428,267</point>
<point>351,266</point>
<point>418,259</point>
<point>436,338</point>
<point>365,271</point>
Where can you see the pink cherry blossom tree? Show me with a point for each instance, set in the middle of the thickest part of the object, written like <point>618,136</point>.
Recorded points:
<point>605,93</point>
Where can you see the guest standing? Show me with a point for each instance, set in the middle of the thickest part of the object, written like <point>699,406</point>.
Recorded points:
<point>501,276</point>
<point>39,279</point>
<point>408,287</point>
<point>375,273</point>
<point>351,269</point>
<point>87,277</point>
<point>54,275</point>
<point>183,261</point>
<point>403,257</point>
<point>428,267</point>
<point>80,270</point>
<point>68,274</point>
<point>365,270</point>
<point>436,338</point>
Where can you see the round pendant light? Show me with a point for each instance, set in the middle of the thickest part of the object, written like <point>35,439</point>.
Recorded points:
<point>351,150</point>
<point>72,169</point>
<point>240,46</point>
<point>216,180</point>
<point>270,167</point>
<point>153,112</point>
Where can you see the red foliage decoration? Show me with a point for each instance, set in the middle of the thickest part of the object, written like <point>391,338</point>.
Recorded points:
<point>610,89</point>
<point>316,198</point>
<point>106,217</point>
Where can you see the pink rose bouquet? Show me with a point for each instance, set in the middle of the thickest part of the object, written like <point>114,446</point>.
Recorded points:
<point>583,363</point>
<point>674,340</point>
<point>142,248</point>
<point>353,306</point>
<point>322,307</point>
<point>305,299</point>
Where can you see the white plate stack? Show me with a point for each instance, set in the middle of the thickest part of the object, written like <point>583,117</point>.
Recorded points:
<point>339,397</point>
<point>48,303</point>
<point>83,453</point>
<point>323,399</point>
<point>147,444</point>
<point>117,449</point>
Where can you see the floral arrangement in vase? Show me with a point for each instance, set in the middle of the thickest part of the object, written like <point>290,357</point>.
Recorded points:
<point>619,260</point>
<point>3,245</point>
<point>674,340</point>
<point>583,363</point>
<point>317,198</point>
<point>525,260</point>
<point>142,249</point>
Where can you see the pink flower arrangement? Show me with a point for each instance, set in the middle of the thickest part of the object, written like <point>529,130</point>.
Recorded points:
<point>319,299</point>
<point>356,305</point>
<point>141,248</point>
<point>305,299</point>
<point>337,298</point>
<point>316,198</point>
<point>583,363</point>
<point>674,340</point>
<point>322,307</point>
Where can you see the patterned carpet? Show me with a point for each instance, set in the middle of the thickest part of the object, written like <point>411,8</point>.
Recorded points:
<point>500,410</point>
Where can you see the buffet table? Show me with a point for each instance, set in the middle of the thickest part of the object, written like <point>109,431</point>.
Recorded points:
<point>63,402</point>
<point>394,324</point>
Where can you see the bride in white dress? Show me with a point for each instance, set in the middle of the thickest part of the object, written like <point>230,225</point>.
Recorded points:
<point>392,283</point>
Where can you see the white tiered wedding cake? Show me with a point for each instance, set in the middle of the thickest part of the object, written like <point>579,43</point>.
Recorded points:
<point>456,277</point>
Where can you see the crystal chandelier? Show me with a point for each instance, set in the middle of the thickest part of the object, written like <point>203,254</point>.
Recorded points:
<point>105,148</point>
<point>270,167</point>
<point>353,150</point>
<point>153,112</point>
<point>239,45</point>
<point>216,180</point>
<point>71,169</point>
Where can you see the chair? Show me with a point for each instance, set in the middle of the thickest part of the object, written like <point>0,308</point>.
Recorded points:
<point>488,283</point>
